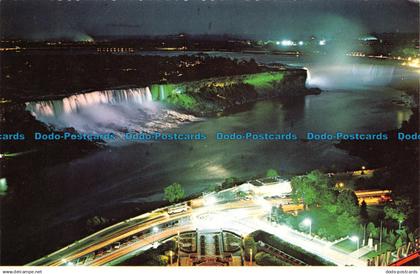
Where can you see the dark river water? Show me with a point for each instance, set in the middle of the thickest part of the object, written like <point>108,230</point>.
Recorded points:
<point>358,98</point>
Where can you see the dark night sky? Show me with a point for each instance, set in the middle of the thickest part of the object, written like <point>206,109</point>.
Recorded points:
<point>274,19</point>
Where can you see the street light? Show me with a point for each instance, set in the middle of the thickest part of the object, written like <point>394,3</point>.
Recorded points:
<point>355,239</point>
<point>287,43</point>
<point>308,222</point>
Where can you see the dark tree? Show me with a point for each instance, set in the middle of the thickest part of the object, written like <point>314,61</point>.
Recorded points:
<point>347,202</point>
<point>230,182</point>
<point>363,212</point>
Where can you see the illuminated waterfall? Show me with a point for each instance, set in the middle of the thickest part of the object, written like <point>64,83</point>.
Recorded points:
<point>77,102</point>
<point>373,74</point>
<point>350,76</point>
<point>108,111</point>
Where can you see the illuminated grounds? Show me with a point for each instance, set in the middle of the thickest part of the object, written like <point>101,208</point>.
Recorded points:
<point>236,226</point>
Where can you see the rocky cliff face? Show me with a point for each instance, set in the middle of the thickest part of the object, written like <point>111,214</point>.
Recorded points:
<point>293,84</point>
<point>215,95</point>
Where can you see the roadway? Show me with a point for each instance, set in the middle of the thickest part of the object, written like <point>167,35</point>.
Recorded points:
<point>118,232</point>
<point>241,217</point>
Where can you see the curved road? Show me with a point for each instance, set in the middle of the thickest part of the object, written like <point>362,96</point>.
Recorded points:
<point>241,217</point>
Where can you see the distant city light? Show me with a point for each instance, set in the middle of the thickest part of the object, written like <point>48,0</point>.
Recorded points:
<point>414,63</point>
<point>287,43</point>
<point>277,42</point>
<point>322,42</point>
<point>300,43</point>
<point>368,38</point>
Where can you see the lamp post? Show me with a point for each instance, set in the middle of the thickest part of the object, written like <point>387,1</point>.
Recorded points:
<point>308,223</point>
<point>250,256</point>
<point>399,224</point>
<point>380,237</point>
<point>170,257</point>
<point>355,239</point>
<point>178,243</point>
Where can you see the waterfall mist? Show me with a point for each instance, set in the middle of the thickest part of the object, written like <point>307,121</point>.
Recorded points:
<point>333,68</point>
